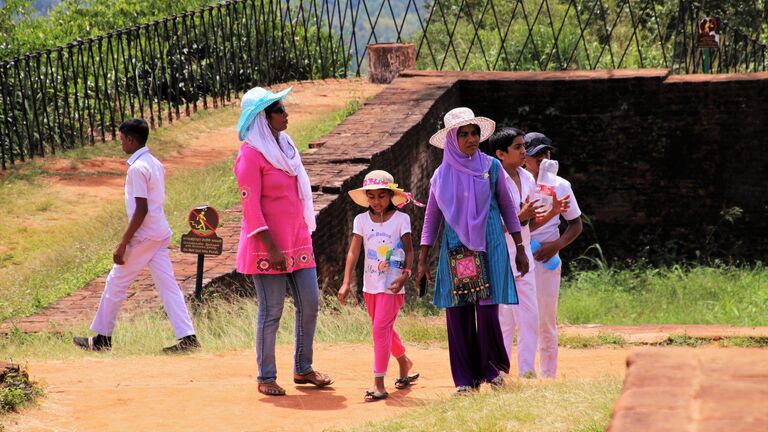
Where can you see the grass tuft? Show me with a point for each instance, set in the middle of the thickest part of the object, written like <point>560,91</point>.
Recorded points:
<point>16,390</point>
<point>601,340</point>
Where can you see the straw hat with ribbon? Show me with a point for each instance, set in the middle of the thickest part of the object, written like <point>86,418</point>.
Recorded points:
<point>254,101</point>
<point>459,117</point>
<point>379,179</point>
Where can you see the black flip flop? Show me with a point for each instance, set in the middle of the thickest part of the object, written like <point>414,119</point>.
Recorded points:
<point>372,396</point>
<point>406,382</point>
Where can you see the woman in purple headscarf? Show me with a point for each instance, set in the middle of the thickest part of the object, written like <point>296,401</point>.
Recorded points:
<point>473,274</point>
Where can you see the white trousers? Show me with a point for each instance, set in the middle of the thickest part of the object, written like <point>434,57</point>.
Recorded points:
<point>138,255</point>
<point>523,316</point>
<point>547,292</point>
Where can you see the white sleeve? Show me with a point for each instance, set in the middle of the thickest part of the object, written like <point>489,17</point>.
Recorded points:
<point>529,190</point>
<point>405,224</point>
<point>357,225</point>
<point>573,211</point>
<point>139,181</point>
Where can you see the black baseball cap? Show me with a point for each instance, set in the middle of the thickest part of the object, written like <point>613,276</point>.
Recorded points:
<point>535,142</point>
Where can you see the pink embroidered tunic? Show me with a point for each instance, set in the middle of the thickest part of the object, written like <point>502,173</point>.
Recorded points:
<point>270,200</point>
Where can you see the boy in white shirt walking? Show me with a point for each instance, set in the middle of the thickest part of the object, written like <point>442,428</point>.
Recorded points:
<point>144,244</point>
<point>537,148</point>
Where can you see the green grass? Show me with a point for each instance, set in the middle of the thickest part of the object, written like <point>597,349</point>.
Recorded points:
<point>221,326</point>
<point>578,406</point>
<point>601,340</point>
<point>725,342</point>
<point>43,259</point>
<point>676,295</point>
<point>227,325</point>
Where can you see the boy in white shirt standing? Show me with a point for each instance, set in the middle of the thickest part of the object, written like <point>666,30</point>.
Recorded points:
<point>508,146</point>
<point>537,148</point>
<point>144,244</point>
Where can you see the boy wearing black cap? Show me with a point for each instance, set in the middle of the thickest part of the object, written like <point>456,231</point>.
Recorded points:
<point>537,148</point>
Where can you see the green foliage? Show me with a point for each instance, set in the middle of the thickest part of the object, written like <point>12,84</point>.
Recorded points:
<point>22,30</point>
<point>565,34</point>
<point>547,35</point>
<point>16,390</point>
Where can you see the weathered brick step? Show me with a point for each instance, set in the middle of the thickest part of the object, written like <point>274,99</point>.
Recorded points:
<point>685,389</point>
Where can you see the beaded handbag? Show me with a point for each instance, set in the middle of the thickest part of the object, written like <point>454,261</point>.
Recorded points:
<point>469,275</point>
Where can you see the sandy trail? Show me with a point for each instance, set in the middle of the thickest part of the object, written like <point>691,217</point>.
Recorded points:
<point>212,392</point>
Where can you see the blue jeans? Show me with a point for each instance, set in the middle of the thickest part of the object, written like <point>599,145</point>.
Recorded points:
<point>270,291</point>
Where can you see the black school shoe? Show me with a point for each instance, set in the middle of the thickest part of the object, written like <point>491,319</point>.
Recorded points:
<point>185,344</point>
<point>93,343</point>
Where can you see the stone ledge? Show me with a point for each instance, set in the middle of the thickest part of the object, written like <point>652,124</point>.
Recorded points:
<point>687,389</point>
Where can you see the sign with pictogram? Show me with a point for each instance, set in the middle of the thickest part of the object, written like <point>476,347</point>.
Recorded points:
<point>202,240</point>
<point>708,37</point>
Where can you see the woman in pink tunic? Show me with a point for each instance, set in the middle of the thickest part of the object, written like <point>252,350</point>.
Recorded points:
<point>275,239</point>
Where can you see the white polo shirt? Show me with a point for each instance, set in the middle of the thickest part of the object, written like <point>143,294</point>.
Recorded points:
<point>528,189</point>
<point>146,179</point>
<point>550,231</point>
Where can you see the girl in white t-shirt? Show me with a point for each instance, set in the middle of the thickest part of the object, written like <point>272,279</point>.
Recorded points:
<point>382,231</point>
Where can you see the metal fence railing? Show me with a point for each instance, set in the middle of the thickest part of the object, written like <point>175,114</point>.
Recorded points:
<point>74,95</point>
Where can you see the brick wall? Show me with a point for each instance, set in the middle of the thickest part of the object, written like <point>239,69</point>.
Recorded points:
<point>653,159</point>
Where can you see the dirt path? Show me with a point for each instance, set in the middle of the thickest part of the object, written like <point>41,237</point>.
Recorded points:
<point>212,392</point>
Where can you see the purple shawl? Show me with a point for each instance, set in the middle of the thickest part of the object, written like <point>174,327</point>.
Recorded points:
<point>463,193</point>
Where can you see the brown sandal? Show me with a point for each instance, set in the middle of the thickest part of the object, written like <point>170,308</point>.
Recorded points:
<point>319,379</point>
<point>271,389</point>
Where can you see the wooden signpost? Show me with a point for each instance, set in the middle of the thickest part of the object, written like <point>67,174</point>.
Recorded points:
<point>202,240</point>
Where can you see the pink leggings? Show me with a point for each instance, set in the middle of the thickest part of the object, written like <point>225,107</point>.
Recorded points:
<point>383,310</point>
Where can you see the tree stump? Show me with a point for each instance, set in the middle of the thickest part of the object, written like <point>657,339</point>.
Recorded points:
<point>386,60</point>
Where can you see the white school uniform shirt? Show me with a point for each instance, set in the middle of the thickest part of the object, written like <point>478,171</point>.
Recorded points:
<point>550,231</point>
<point>146,179</point>
<point>379,240</point>
<point>527,190</point>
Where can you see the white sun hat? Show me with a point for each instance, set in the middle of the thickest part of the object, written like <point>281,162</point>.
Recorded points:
<point>459,117</point>
<point>379,179</point>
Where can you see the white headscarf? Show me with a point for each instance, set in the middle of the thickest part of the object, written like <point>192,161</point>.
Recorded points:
<point>287,160</point>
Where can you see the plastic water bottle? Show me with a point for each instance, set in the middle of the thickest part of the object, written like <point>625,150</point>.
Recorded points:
<point>396,265</point>
<point>545,185</point>
<point>552,263</point>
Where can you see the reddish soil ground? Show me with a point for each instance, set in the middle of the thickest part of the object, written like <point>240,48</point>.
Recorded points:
<point>212,392</point>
